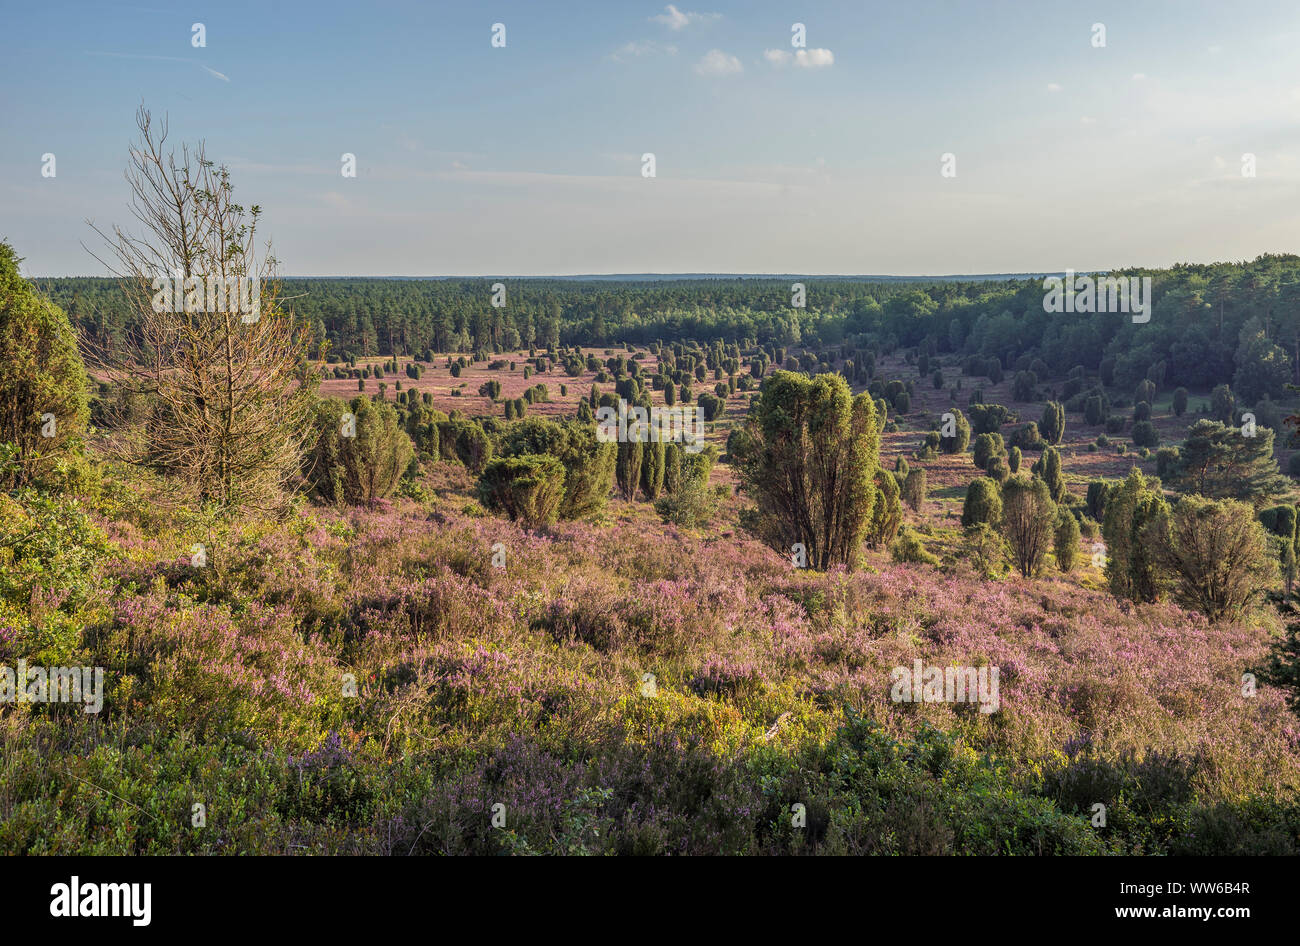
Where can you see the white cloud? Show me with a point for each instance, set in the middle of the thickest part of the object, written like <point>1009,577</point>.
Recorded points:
<point>675,19</point>
<point>1053,87</point>
<point>814,58</point>
<point>718,63</point>
<point>637,49</point>
<point>803,58</point>
<point>1139,76</point>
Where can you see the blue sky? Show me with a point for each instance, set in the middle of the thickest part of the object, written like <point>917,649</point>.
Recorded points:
<point>526,160</point>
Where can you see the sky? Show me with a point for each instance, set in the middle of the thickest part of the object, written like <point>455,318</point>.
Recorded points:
<point>526,159</point>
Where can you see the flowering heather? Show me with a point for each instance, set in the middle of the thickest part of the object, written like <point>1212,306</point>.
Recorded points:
<point>625,686</point>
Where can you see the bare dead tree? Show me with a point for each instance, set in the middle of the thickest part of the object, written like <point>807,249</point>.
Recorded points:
<point>224,387</point>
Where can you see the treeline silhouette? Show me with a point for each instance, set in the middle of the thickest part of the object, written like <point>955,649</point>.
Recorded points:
<point>1221,323</point>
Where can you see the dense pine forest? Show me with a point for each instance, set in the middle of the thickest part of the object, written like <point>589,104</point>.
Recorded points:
<point>1228,323</point>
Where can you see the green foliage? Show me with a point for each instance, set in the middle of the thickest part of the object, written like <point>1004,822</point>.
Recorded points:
<point>886,511</point>
<point>711,406</point>
<point>529,488</point>
<point>909,548</point>
<point>808,460</point>
<point>1220,462</point>
<point>359,451</point>
<point>698,465</point>
<point>1280,521</point>
<point>627,468</point>
<point>985,548</point>
<point>1052,425</point>
<point>1133,507</point>
<point>1180,402</point>
<point>673,454</point>
<point>1145,434</point>
<point>1282,668</point>
<point>915,488</point>
<point>652,470</point>
<point>1013,460</point>
<point>1027,437</point>
<point>1095,499</point>
<point>1223,405</point>
<point>989,418</point>
<point>1028,522</point>
<point>43,384</point>
<point>1048,469</point>
<point>1093,410</point>
<point>1065,542</point>
<point>50,589</point>
<point>954,432</point>
<point>1167,460</point>
<point>1268,413</point>
<point>983,503</point>
<point>997,469</point>
<point>1024,385</point>
<point>690,505</point>
<point>465,441</point>
<point>588,463</point>
<point>987,446</point>
<point>1263,368</point>
<point>1216,555</point>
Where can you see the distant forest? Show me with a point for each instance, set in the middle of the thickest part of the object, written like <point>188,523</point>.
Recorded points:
<point>1222,323</point>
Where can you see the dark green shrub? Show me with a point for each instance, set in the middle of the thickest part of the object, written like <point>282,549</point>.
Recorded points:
<point>1052,425</point>
<point>1093,411</point>
<point>1095,501</point>
<point>954,432</point>
<point>43,383</point>
<point>529,488</point>
<point>359,451</point>
<point>1145,434</point>
<point>1027,437</point>
<point>1048,469</point>
<point>915,488</point>
<point>1180,402</point>
<point>465,441</point>
<point>1066,540</point>
<point>987,446</point>
<point>983,503</point>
